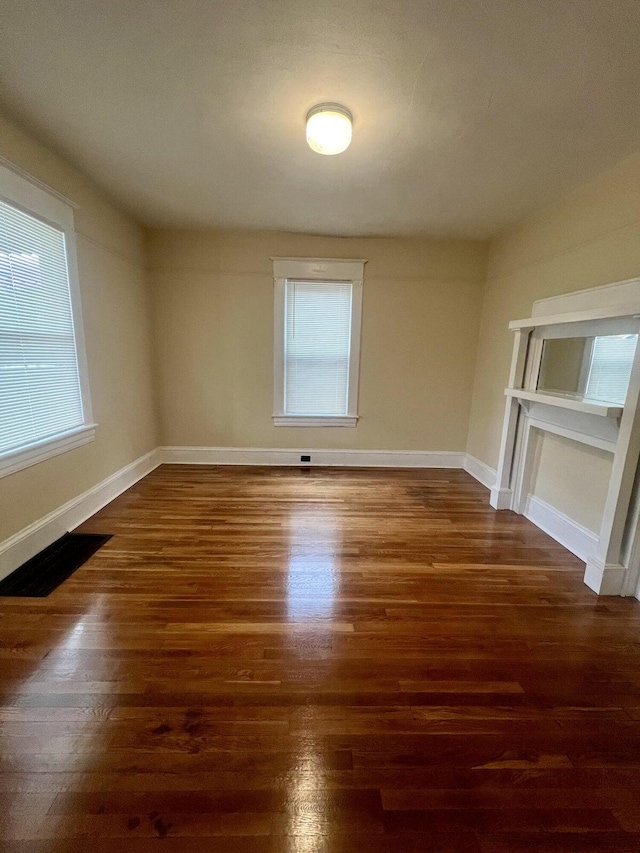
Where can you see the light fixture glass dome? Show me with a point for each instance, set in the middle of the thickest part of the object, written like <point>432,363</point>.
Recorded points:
<point>329,129</point>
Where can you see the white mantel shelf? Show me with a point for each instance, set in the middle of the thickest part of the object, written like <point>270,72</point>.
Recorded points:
<point>630,309</point>
<point>576,404</point>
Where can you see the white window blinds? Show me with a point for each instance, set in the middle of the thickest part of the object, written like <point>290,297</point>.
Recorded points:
<point>317,347</point>
<point>610,368</point>
<point>40,393</point>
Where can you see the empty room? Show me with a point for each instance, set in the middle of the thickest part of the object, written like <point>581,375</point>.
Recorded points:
<point>319,426</point>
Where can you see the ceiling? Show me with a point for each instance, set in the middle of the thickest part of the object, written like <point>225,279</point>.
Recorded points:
<point>468,114</point>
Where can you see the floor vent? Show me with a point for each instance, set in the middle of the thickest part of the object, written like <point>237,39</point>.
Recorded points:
<point>40,575</point>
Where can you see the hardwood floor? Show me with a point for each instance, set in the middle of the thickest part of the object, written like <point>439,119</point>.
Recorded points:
<point>330,661</point>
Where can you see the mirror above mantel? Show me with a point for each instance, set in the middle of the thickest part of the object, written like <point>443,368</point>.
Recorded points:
<point>595,368</point>
<point>575,372</point>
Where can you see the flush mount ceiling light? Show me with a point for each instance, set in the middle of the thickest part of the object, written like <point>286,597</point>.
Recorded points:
<point>329,128</point>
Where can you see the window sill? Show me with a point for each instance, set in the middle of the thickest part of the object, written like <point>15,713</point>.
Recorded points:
<point>315,421</point>
<point>16,460</point>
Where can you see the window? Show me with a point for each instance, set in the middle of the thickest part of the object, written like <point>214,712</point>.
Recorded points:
<point>44,400</point>
<point>317,342</point>
<point>611,360</point>
<point>318,305</point>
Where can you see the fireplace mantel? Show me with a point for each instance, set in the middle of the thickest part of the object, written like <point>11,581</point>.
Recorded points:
<point>611,309</point>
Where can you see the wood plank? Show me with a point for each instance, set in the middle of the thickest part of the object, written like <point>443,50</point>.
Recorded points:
<point>342,661</point>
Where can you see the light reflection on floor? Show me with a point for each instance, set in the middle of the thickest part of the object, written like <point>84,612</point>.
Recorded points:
<point>308,800</point>
<point>63,671</point>
<point>312,588</point>
<point>313,574</point>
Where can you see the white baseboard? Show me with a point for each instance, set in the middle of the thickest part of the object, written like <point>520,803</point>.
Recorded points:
<point>291,456</point>
<point>479,470</point>
<point>575,538</point>
<point>482,472</point>
<point>485,474</point>
<point>32,539</point>
<point>500,498</point>
<point>605,580</point>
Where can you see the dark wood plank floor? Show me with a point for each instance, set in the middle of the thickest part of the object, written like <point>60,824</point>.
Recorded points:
<point>333,661</point>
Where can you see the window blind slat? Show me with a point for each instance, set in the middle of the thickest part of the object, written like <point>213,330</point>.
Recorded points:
<point>610,368</point>
<point>317,347</point>
<point>40,394</point>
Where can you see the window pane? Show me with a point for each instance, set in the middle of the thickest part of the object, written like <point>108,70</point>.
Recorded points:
<point>40,393</point>
<point>317,347</point>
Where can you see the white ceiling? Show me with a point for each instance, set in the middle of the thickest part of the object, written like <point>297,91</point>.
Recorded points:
<point>467,113</point>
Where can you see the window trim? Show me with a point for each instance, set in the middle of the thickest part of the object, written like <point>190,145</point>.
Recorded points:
<point>343,271</point>
<point>31,196</point>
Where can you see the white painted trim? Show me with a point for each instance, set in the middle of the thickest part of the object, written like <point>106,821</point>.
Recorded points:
<point>564,401</point>
<point>573,536</point>
<point>500,493</point>
<point>630,309</point>
<point>354,354</point>
<point>314,421</point>
<point>631,551</point>
<point>501,498</point>
<point>16,460</point>
<point>480,471</point>
<point>32,539</point>
<point>71,251</point>
<point>615,293</point>
<point>30,195</point>
<point>37,182</point>
<point>326,457</point>
<point>583,428</point>
<point>578,539</point>
<point>309,269</point>
<point>279,285</point>
<point>605,579</point>
<point>627,325</point>
<point>619,534</point>
<point>319,269</point>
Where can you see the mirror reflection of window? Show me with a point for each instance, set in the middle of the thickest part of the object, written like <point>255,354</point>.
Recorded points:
<point>593,368</point>
<point>610,368</point>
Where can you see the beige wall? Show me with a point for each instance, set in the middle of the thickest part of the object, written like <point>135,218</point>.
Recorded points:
<point>213,314</point>
<point>212,301</point>
<point>115,307</point>
<point>572,478</point>
<point>590,238</point>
